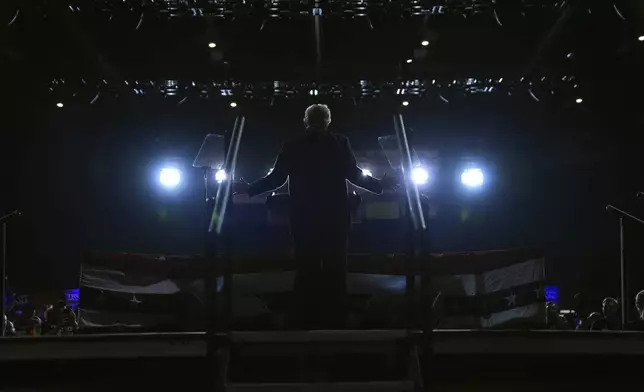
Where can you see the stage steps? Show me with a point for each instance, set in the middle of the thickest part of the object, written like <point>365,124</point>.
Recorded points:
<point>304,346</point>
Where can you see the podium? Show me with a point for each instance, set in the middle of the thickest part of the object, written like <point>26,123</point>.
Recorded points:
<point>278,207</point>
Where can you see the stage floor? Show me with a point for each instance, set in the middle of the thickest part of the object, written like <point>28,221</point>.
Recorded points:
<point>446,342</point>
<point>464,360</point>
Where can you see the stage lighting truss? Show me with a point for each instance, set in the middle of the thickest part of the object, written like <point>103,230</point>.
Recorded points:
<point>300,8</point>
<point>444,90</point>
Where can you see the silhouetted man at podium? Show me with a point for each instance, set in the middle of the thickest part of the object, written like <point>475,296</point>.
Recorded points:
<point>317,165</point>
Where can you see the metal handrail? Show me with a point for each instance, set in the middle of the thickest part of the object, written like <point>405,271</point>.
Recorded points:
<point>216,356</point>
<point>419,227</point>
<point>406,166</point>
<point>230,164</point>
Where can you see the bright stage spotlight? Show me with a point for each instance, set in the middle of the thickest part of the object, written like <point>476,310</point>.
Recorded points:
<point>419,176</point>
<point>170,177</point>
<point>221,176</point>
<point>579,100</point>
<point>425,43</point>
<point>640,38</point>
<point>409,61</point>
<point>233,104</point>
<point>472,178</point>
<point>212,45</point>
<point>405,103</point>
<point>367,172</point>
<point>60,104</point>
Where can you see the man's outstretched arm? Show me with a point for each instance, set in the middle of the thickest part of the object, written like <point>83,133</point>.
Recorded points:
<point>355,174</point>
<point>276,178</point>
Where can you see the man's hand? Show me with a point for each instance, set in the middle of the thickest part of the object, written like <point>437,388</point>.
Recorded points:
<point>238,187</point>
<point>388,183</point>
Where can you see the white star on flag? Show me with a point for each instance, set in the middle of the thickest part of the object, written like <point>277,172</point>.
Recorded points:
<point>512,299</point>
<point>134,301</point>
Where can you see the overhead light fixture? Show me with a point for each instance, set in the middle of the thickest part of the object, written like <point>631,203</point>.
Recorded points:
<point>60,104</point>
<point>425,43</point>
<point>233,104</point>
<point>640,38</point>
<point>409,61</point>
<point>579,100</point>
<point>212,45</point>
<point>405,103</point>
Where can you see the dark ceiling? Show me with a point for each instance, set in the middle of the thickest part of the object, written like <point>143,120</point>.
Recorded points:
<point>276,39</point>
<point>356,48</point>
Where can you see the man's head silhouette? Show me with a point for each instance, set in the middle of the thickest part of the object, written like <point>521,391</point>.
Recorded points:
<point>317,115</point>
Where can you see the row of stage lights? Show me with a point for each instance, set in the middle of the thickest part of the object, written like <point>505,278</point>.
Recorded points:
<point>412,88</point>
<point>473,177</point>
<point>405,88</point>
<point>172,9</point>
<point>233,104</point>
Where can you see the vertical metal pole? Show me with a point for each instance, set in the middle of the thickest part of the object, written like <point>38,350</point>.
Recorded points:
<point>3,278</point>
<point>622,270</point>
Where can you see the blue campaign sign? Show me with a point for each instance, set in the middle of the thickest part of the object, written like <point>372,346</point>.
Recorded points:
<point>552,294</point>
<point>72,296</point>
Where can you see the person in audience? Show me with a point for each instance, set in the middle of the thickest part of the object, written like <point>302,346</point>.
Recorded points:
<point>610,319</point>
<point>593,317</point>
<point>553,317</point>
<point>9,329</point>
<point>34,324</point>
<point>581,309</point>
<point>61,319</point>
<point>638,323</point>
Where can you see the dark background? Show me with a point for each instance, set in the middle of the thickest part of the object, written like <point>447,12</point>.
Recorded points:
<point>85,175</point>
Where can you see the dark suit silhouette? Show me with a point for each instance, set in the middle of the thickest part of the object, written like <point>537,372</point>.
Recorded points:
<point>317,166</point>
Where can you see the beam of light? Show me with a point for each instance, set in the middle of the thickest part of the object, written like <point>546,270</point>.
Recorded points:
<point>369,21</point>
<point>220,176</point>
<point>498,20</point>
<point>579,100</point>
<point>60,104</point>
<point>170,177</point>
<point>419,176</point>
<point>138,25</point>
<point>15,17</point>
<point>618,12</point>
<point>318,38</point>
<point>472,177</point>
<point>424,43</point>
<point>533,95</point>
<point>367,172</point>
<point>212,45</point>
